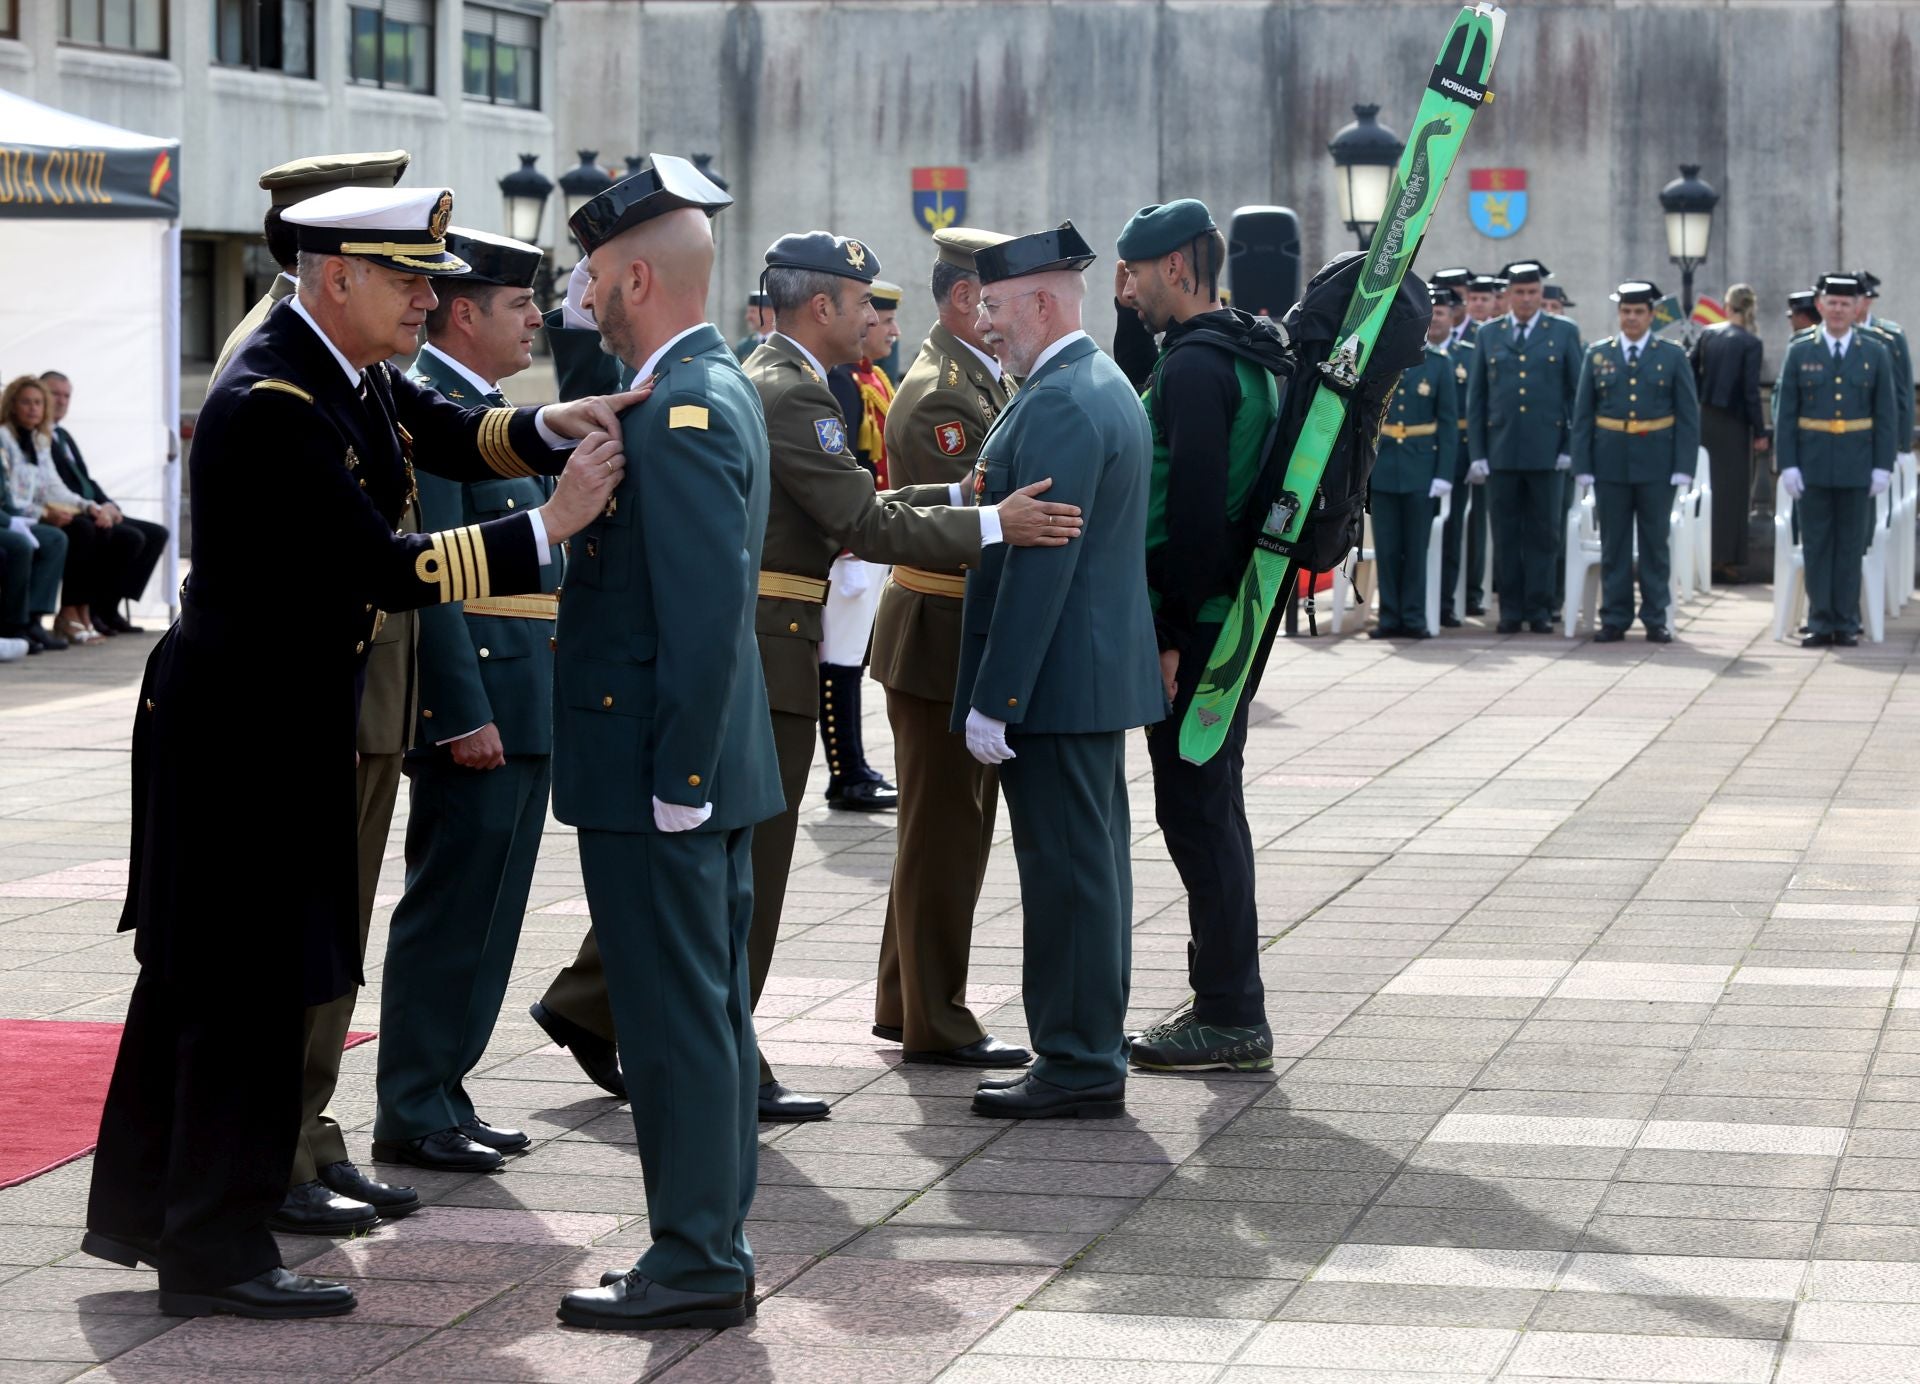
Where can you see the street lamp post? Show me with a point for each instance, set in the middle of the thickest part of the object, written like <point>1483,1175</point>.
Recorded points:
<point>1365,154</point>
<point>1688,202</point>
<point>579,186</point>
<point>525,193</point>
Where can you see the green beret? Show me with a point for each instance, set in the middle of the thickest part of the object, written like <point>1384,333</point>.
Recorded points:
<point>299,179</point>
<point>1157,231</point>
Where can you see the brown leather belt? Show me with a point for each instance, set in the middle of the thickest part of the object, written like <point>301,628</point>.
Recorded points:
<point>534,607</point>
<point>1400,432</point>
<point>1836,425</point>
<point>786,586</point>
<point>927,583</point>
<point>1633,427</point>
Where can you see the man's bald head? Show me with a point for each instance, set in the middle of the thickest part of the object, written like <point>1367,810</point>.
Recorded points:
<point>650,282</point>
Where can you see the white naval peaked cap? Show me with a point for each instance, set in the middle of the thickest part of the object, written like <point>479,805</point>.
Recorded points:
<point>403,228</point>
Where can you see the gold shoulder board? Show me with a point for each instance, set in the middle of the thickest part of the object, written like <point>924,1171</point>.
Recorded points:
<point>283,387</point>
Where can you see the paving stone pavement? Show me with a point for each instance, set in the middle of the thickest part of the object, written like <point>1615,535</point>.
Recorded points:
<point>1590,971</point>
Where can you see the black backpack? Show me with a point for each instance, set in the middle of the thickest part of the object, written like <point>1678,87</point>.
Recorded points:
<point>1337,511</point>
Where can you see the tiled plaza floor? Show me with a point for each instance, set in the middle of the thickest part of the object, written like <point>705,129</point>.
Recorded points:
<point>1589,968</point>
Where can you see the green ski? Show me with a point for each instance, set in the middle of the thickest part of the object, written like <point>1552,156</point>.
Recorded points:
<point>1457,88</point>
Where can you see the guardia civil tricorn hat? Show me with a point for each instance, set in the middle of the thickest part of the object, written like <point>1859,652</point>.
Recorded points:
<point>495,259</point>
<point>1043,251</point>
<point>662,183</point>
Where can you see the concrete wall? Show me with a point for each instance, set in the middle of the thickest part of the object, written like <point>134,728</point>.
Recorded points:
<point>815,111</point>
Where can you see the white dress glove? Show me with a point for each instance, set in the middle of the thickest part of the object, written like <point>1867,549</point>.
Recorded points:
<point>1793,483</point>
<point>1439,488</point>
<point>1563,462</point>
<point>987,739</point>
<point>850,576</point>
<point>1477,472</point>
<point>676,817</point>
<point>19,523</point>
<point>573,313</point>
<point>1586,480</point>
<point>1881,480</point>
<point>1680,481</point>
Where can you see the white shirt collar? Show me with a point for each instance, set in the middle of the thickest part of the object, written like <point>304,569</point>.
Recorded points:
<point>1513,320</point>
<point>1055,349</point>
<point>992,363</point>
<point>462,371</point>
<point>1832,341</point>
<point>300,308</point>
<point>1628,343</point>
<point>809,356</point>
<point>646,368</point>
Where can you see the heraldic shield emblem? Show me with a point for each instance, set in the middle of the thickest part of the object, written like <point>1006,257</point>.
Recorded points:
<point>939,198</point>
<point>1497,200</point>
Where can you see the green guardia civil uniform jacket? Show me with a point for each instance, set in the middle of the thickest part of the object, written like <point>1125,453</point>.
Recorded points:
<point>1420,436</point>
<point>1835,422</point>
<point>1636,424</point>
<point>1520,395</point>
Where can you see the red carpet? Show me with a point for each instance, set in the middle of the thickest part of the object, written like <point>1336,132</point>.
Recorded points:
<point>53,1081</point>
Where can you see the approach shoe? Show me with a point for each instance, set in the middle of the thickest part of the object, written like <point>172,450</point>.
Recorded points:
<point>1185,1044</point>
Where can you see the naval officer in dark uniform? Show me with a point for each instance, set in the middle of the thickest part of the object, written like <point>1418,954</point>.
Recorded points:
<point>478,770</point>
<point>1058,661</point>
<point>663,750</point>
<point>198,1131</point>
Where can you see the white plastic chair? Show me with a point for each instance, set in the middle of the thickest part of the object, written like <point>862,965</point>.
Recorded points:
<point>1434,540</point>
<point>1475,495</point>
<point>1904,508</point>
<point>1353,587</point>
<point>1583,563</point>
<point>1789,569</point>
<point>1679,545</point>
<point>1703,524</point>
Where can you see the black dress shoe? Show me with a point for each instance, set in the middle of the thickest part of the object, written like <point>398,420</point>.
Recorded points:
<point>118,623</point>
<point>637,1303</point>
<point>1609,634</point>
<point>613,1276</point>
<point>1659,634</point>
<point>1000,1083</point>
<point>499,1140</point>
<point>1034,1099</point>
<point>598,1058</point>
<point>313,1208</point>
<point>390,1200</point>
<point>445,1150</point>
<point>888,1033</point>
<point>778,1103</point>
<point>1817,641</point>
<point>863,795</point>
<point>987,1051</point>
<point>1540,626</point>
<point>1846,641</point>
<point>1448,620</point>
<point>1416,634</point>
<point>276,1295</point>
<point>1476,608</point>
<point>1509,627</point>
<point>40,640</point>
<point>124,1250</point>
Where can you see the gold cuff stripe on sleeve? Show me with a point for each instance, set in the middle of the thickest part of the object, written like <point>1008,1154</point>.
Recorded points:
<point>463,556</point>
<point>788,586</point>
<point>431,567</point>
<point>1836,425</point>
<point>1633,427</point>
<point>483,583</point>
<point>925,583</point>
<point>496,450</point>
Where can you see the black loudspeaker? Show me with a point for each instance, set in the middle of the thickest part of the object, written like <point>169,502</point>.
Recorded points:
<point>1263,260</point>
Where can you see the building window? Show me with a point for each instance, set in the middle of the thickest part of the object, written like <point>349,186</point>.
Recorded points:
<point>390,44</point>
<point>196,299</point>
<point>131,26</point>
<point>502,57</point>
<point>267,35</point>
<point>9,18</point>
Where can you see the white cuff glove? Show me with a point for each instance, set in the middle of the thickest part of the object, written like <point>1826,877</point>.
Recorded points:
<point>19,523</point>
<point>1793,483</point>
<point>675,817</point>
<point>1881,480</point>
<point>1477,472</point>
<point>850,576</point>
<point>1563,462</point>
<point>1906,458</point>
<point>572,312</point>
<point>1586,480</point>
<point>1680,481</point>
<point>1439,488</point>
<point>987,739</point>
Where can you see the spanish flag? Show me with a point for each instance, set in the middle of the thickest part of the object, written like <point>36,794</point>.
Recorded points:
<point>1709,312</point>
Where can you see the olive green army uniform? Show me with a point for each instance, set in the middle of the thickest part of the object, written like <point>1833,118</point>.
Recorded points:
<point>948,800</point>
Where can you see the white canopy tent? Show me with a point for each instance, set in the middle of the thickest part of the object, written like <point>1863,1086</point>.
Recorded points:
<point>90,286</point>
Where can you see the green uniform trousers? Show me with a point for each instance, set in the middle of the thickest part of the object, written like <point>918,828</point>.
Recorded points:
<point>948,802</point>
<point>1402,530</point>
<point>29,575</point>
<point>320,1143</point>
<point>1623,510</point>
<point>1525,510</point>
<point>579,992</point>
<point>1834,524</point>
<point>473,836</point>
<point>1067,802</point>
<point>672,914</point>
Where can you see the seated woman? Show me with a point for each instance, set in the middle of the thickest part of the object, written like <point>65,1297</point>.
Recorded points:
<point>99,555</point>
<point>146,541</point>
<point>33,556</point>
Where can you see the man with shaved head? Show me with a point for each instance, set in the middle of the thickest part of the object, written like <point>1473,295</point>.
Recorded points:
<point>663,752</point>
<point>1057,663</point>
